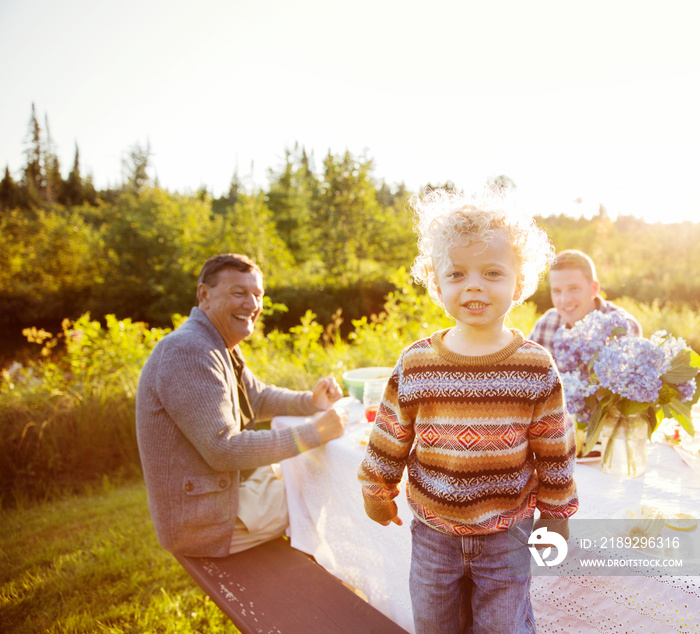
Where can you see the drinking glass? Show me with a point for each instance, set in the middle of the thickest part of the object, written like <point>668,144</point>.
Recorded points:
<point>372,397</point>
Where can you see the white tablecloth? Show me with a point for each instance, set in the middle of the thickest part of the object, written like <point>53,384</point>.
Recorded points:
<point>327,520</point>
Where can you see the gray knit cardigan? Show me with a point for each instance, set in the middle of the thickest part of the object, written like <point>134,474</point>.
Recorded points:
<point>190,439</point>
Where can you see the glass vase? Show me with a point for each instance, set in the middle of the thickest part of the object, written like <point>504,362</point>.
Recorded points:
<point>625,445</point>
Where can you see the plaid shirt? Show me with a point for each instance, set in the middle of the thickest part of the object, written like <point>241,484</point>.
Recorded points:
<point>545,327</point>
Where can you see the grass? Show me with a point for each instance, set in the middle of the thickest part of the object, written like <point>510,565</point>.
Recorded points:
<point>91,563</point>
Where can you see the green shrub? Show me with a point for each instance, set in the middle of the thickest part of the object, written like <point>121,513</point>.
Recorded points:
<point>67,420</point>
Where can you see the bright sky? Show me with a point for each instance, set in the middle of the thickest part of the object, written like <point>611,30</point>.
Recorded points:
<point>579,103</point>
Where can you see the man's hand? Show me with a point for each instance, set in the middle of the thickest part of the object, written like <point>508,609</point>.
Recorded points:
<point>330,425</point>
<point>326,392</point>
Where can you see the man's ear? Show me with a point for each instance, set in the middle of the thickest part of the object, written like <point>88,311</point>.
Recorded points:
<point>202,292</point>
<point>595,286</point>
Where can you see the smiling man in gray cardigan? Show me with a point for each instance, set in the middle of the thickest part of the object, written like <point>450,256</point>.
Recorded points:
<point>211,489</point>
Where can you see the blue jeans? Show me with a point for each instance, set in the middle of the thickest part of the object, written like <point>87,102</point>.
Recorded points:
<point>475,583</point>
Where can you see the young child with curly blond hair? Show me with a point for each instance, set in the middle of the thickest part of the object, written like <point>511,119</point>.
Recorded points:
<point>476,415</point>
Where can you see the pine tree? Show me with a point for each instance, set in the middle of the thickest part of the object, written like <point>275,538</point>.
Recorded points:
<point>8,191</point>
<point>291,198</point>
<point>33,180</point>
<point>73,191</point>
<point>347,214</point>
<point>54,183</point>
<point>219,206</point>
<point>89,191</point>
<point>135,167</point>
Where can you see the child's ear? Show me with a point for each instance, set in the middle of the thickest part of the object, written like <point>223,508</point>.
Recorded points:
<point>518,293</point>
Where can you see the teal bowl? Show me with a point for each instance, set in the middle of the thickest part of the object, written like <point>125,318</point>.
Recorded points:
<point>355,379</point>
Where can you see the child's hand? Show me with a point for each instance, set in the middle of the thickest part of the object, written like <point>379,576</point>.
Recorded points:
<point>394,520</point>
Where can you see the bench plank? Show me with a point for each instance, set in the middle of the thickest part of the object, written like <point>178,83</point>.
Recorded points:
<point>275,589</point>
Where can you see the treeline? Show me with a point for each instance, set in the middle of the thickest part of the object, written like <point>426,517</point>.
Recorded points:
<point>135,250</point>
<point>326,238</point>
<point>41,182</point>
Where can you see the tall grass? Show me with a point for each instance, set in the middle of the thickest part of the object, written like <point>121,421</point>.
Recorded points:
<point>70,417</point>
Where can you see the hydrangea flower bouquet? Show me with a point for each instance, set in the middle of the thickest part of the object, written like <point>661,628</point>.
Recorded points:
<point>610,377</point>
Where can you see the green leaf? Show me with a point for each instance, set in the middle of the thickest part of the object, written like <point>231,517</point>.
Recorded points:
<point>682,413</point>
<point>694,359</point>
<point>596,424</point>
<point>589,367</point>
<point>684,366</point>
<point>680,374</point>
<point>667,393</point>
<point>630,408</point>
<point>661,414</point>
<point>603,393</point>
<point>618,331</point>
<point>653,420</point>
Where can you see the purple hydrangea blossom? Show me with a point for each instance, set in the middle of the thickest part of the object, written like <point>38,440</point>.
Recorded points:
<point>672,346</point>
<point>687,390</point>
<point>575,347</point>
<point>631,367</point>
<point>590,358</point>
<point>576,389</point>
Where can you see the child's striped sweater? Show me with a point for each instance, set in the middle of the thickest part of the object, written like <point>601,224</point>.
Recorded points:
<point>492,439</point>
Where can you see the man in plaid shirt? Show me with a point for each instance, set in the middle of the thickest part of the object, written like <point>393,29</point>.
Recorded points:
<point>575,292</point>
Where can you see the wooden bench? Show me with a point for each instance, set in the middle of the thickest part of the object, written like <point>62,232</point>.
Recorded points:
<point>275,589</point>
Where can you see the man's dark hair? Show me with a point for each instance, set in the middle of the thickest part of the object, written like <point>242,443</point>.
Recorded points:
<point>210,271</point>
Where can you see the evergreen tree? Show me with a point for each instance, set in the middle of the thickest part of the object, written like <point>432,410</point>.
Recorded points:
<point>221,204</point>
<point>9,193</point>
<point>53,191</point>
<point>393,242</point>
<point>384,195</point>
<point>387,197</point>
<point>291,198</point>
<point>347,213</point>
<point>89,191</point>
<point>33,180</point>
<point>73,191</point>
<point>135,167</point>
